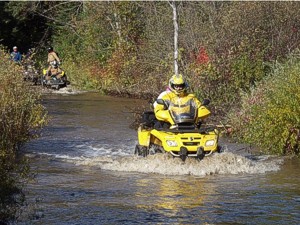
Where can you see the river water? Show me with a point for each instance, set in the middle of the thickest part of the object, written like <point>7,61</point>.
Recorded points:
<point>87,174</point>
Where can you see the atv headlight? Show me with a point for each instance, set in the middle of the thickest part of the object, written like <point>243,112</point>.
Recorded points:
<point>171,143</point>
<point>210,143</point>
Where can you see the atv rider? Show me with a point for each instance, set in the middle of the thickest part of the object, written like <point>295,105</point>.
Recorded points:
<point>16,55</point>
<point>52,56</point>
<point>54,71</point>
<point>176,91</point>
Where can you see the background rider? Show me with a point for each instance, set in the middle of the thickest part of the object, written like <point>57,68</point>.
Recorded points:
<point>16,55</point>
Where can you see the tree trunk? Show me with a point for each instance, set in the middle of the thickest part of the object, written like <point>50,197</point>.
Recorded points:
<point>173,5</point>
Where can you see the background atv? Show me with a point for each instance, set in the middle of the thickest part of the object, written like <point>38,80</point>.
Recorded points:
<point>31,74</point>
<point>55,83</point>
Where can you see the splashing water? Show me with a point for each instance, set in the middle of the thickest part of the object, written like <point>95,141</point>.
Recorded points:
<point>223,163</point>
<point>69,90</point>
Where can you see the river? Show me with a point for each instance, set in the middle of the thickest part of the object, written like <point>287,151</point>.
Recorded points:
<point>86,173</point>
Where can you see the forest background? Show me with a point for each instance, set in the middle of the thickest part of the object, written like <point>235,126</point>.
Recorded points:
<point>240,55</point>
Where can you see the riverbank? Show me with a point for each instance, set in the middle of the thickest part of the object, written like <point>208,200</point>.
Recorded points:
<point>21,118</point>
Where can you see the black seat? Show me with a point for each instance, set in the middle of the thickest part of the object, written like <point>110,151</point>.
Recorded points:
<point>148,118</point>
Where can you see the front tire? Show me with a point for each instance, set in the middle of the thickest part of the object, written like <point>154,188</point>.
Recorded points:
<point>183,153</point>
<point>200,153</point>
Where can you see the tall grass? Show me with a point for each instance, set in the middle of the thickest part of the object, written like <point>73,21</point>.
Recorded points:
<point>21,115</point>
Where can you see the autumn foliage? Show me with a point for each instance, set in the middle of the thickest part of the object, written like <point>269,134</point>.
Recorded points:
<point>21,116</point>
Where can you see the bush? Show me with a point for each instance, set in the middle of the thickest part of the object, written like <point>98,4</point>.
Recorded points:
<point>269,117</point>
<point>21,115</point>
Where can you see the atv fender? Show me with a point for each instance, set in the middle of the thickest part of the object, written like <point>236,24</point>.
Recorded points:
<point>164,115</point>
<point>144,136</point>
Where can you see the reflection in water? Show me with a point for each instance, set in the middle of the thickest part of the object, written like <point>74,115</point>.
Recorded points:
<point>87,174</point>
<point>172,194</point>
<point>175,195</point>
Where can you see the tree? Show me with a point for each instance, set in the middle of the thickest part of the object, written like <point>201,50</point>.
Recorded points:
<point>174,7</point>
<point>19,28</point>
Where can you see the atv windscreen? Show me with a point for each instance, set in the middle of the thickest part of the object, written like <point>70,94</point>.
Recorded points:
<point>183,112</point>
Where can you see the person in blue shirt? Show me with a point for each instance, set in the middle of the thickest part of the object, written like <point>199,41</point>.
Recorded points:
<point>16,55</point>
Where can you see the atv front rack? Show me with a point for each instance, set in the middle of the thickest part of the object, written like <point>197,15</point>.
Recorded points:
<point>203,130</point>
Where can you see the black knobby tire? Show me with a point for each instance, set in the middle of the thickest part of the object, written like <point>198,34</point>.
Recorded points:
<point>183,153</point>
<point>219,149</point>
<point>183,157</point>
<point>65,80</point>
<point>200,154</point>
<point>200,157</point>
<point>137,150</point>
<point>42,81</point>
<point>141,150</point>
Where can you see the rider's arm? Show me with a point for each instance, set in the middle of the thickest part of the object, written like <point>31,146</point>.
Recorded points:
<point>157,107</point>
<point>49,70</point>
<point>164,96</point>
<point>49,56</point>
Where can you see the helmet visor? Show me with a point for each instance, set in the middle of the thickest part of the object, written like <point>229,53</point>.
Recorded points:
<point>178,86</point>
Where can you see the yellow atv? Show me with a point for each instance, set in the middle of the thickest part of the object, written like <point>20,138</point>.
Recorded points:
<point>53,82</point>
<point>179,131</point>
